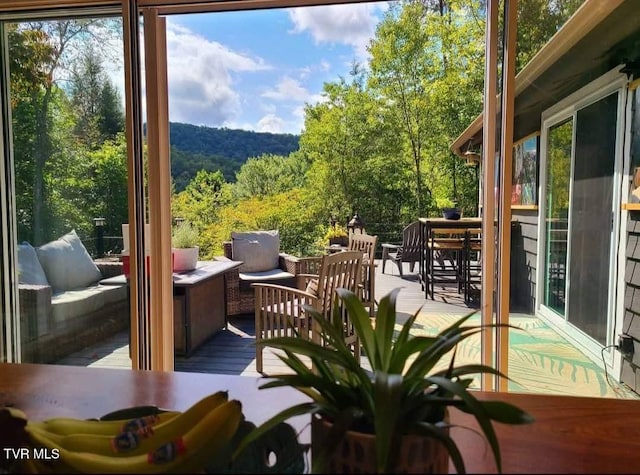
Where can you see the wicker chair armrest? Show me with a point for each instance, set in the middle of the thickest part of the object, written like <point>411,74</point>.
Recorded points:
<point>33,297</point>
<point>109,268</point>
<point>33,289</point>
<point>232,287</point>
<point>289,263</point>
<point>227,249</point>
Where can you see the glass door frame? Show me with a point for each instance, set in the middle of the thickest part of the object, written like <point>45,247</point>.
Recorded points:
<point>610,83</point>
<point>10,326</point>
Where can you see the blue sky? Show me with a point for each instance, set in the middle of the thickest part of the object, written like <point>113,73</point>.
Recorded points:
<point>256,70</point>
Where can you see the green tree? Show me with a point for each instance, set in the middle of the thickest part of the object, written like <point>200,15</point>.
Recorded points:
<point>110,113</point>
<point>200,203</point>
<point>30,55</point>
<point>269,174</point>
<point>41,52</point>
<point>95,100</point>
<point>426,64</point>
<point>353,153</point>
<point>108,190</point>
<point>538,21</point>
<point>294,213</point>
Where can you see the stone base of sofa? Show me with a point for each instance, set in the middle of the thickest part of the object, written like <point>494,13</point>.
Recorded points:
<point>76,334</point>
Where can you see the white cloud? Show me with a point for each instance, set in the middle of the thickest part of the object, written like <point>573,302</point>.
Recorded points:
<point>271,123</point>
<point>200,78</point>
<point>268,108</point>
<point>299,112</point>
<point>287,89</point>
<point>351,24</point>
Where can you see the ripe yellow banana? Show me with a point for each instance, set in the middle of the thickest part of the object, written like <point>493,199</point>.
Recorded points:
<point>70,425</point>
<point>187,453</point>
<point>13,412</point>
<point>146,438</point>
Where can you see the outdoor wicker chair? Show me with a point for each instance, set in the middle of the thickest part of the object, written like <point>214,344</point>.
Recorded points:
<point>262,262</point>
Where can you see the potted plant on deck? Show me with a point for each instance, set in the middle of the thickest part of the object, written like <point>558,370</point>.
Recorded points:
<point>184,240</point>
<point>449,208</point>
<point>337,235</point>
<point>404,400</point>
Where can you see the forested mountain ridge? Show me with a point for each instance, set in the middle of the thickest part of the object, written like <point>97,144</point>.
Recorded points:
<point>196,148</point>
<point>232,143</point>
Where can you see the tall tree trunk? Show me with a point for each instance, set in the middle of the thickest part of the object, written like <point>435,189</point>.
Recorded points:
<point>41,152</point>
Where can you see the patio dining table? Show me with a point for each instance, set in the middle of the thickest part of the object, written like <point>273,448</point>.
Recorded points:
<point>427,227</point>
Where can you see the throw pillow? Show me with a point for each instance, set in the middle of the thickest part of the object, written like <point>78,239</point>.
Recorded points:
<point>67,264</point>
<point>258,250</point>
<point>29,269</point>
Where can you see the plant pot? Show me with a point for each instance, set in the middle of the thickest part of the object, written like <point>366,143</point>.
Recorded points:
<point>451,213</point>
<point>185,259</point>
<point>356,452</point>
<point>339,241</point>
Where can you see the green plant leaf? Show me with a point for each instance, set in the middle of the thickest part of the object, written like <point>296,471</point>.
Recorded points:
<point>362,323</point>
<point>385,323</point>
<point>388,394</point>
<point>504,412</point>
<point>476,408</point>
<point>300,409</point>
<point>398,397</point>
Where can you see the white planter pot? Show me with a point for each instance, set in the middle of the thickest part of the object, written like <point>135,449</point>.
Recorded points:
<point>185,258</point>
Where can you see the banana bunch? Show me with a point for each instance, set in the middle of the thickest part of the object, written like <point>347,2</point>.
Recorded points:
<point>169,442</point>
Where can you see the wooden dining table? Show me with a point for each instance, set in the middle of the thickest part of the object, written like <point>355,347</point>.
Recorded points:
<point>569,435</point>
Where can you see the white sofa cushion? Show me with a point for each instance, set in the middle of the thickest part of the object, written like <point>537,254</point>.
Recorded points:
<point>258,250</point>
<point>67,264</point>
<point>272,275</point>
<point>29,269</point>
<point>75,303</point>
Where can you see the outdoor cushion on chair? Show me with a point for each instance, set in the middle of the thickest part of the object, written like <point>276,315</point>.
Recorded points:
<point>258,250</point>
<point>266,276</point>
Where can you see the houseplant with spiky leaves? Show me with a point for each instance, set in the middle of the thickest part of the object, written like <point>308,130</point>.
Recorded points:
<point>403,394</point>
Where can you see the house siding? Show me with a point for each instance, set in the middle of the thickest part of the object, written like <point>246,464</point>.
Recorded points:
<point>631,323</point>
<point>630,372</point>
<point>524,243</point>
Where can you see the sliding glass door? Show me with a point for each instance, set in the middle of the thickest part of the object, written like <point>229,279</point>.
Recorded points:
<point>558,172</point>
<point>65,156</point>
<point>592,218</point>
<point>578,232</point>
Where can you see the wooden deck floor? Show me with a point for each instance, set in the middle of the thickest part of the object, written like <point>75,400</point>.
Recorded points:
<point>541,361</point>
<point>232,351</point>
